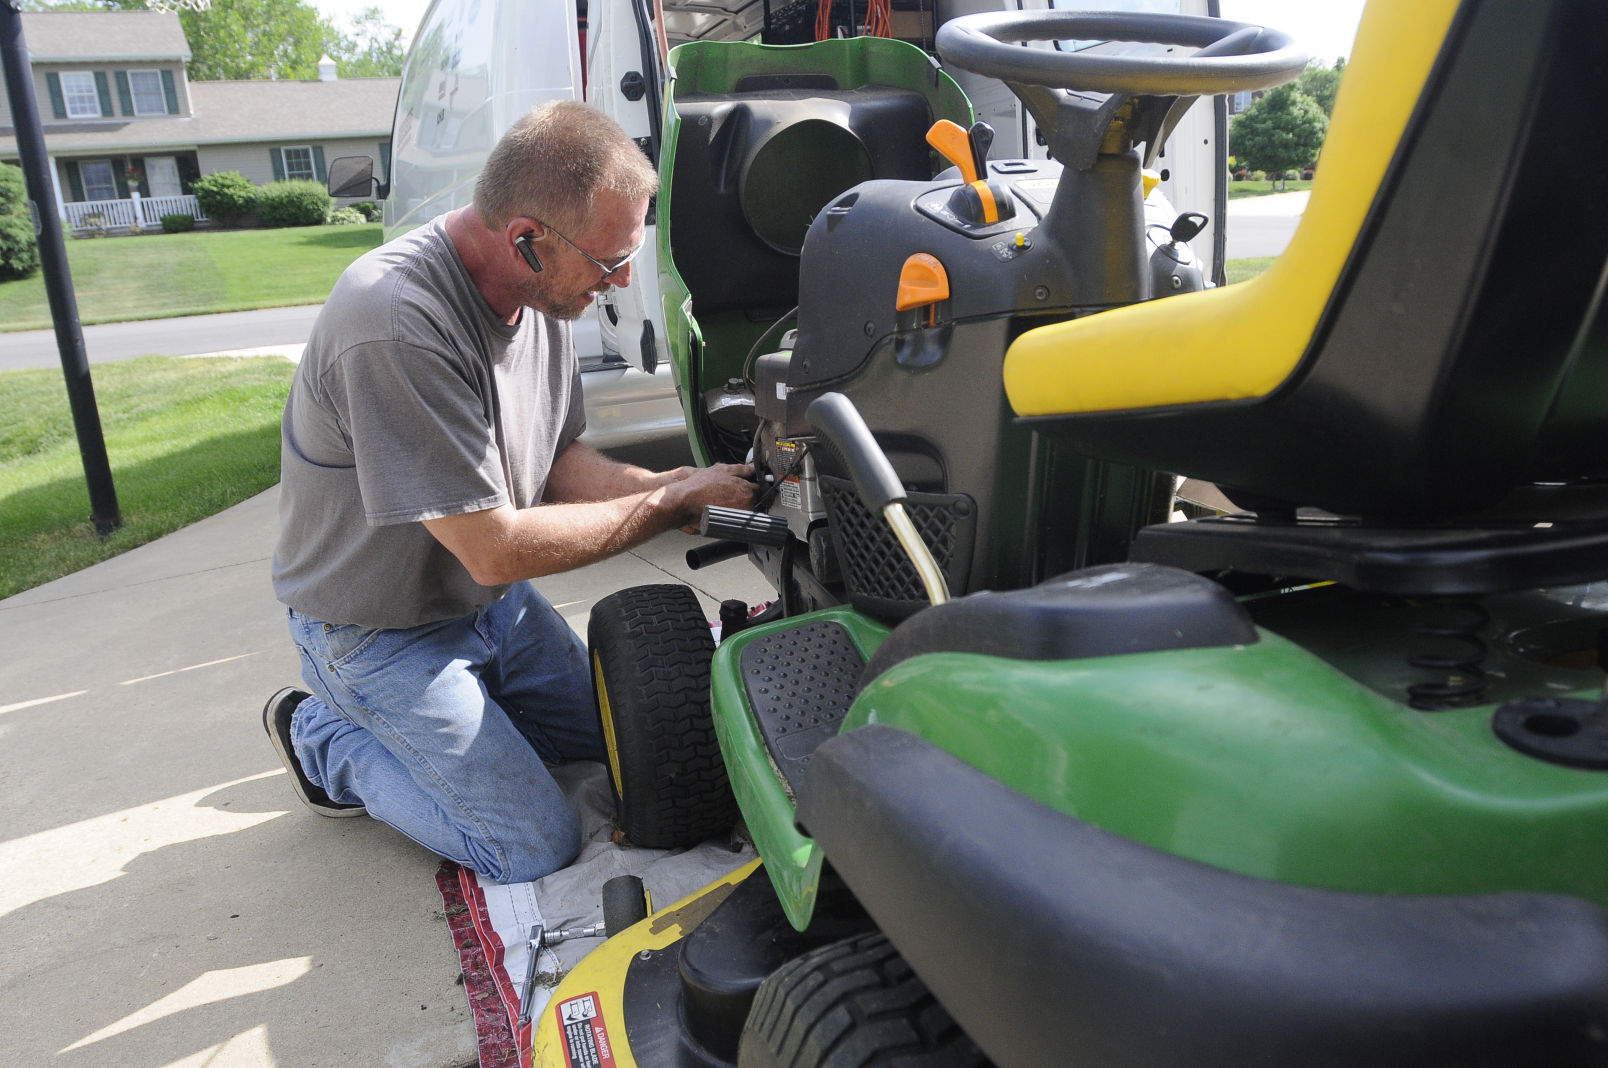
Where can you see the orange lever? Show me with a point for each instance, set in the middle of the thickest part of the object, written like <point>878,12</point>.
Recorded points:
<point>922,282</point>
<point>954,144</point>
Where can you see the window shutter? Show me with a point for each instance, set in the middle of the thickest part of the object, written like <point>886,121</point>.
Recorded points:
<point>119,167</point>
<point>75,183</point>
<point>124,97</point>
<point>58,106</point>
<point>170,95</point>
<point>105,92</point>
<point>318,163</point>
<point>385,161</point>
<point>278,158</point>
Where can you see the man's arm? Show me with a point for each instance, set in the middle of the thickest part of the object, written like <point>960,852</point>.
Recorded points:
<point>510,544</point>
<point>581,473</point>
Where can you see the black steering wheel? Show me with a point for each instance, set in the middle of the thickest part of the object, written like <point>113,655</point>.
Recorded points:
<point>1232,57</point>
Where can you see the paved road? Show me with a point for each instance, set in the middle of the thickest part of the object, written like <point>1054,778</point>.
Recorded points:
<point>266,328</point>
<point>1262,226</point>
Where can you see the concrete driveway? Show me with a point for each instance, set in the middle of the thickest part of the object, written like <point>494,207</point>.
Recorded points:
<point>167,901</point>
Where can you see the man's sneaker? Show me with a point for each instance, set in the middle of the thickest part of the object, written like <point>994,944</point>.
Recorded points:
<point>276,721</point>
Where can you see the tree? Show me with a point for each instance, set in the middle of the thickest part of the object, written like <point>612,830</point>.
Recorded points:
<point>1322,83</point>
<point>1280,131</point>
<point>245,39</point>
<point>372,50</point>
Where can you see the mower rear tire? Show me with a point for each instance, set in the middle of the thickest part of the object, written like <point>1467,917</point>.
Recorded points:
<point>650,649</point>
<point>852,1004</point>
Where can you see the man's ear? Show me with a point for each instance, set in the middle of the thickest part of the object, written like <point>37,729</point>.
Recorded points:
<point>523,244</point>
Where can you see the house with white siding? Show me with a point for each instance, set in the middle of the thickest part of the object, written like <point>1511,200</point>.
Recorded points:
<point>128,133</point>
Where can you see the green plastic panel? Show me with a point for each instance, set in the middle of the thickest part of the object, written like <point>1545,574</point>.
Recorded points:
<point>717,67</point>
<point>792,860</point>
<point>1266,760</point>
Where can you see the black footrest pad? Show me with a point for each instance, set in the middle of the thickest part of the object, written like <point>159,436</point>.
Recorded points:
<point>800,683</point>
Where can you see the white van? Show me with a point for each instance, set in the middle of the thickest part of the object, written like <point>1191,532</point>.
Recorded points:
<point>475,66</point>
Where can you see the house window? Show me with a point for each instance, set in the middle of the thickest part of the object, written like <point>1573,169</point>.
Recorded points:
<point>145,86</point>
<point>78,93</point>
<point>97,178</point>
<point>299,163</point>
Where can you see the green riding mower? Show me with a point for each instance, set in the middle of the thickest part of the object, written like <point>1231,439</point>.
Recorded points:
<point>1319,780</point>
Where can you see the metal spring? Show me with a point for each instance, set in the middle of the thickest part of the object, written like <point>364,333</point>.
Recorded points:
<point>1456,658</point>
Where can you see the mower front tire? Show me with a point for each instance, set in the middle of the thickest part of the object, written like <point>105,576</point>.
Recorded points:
<point>852,1004</point>
<point>650,649</point>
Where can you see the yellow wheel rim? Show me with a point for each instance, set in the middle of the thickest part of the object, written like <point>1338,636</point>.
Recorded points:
<point>607,716</point>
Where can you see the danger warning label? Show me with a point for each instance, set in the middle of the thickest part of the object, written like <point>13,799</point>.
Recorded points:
<point>586,1038</point>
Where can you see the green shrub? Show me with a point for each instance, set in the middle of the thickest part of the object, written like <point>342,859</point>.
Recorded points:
<point>1258,176</point>
<point>297,202</point>
<point>225,196</point>
<point>19,252</point>
<point>346,217</point>
<point>13,190</point>
<point>371,211</point>
<point>177,224</point>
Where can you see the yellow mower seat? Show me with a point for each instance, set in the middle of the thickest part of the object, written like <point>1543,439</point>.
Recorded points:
<point>1408,351</point>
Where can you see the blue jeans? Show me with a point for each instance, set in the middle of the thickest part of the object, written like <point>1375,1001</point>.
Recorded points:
<point>445,731</point>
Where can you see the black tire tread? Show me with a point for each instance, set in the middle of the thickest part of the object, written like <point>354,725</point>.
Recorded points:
<point>852,1004</point>
<point>654,645</point>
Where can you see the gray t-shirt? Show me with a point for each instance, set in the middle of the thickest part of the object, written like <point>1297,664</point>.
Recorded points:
<point>412,401</point>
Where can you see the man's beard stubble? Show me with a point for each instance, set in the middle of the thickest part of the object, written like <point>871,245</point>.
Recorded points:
<point>539,295</point>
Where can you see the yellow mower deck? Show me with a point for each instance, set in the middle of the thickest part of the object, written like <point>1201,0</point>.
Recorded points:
<point>585,1024</point>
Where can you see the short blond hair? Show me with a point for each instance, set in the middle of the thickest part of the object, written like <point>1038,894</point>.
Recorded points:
<point>554,161</point>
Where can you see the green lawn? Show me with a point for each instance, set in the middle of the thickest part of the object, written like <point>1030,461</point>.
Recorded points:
<point>187,438</point>
<point>1240,270</point>
<point>1263,189</point>
<point>164,275</point>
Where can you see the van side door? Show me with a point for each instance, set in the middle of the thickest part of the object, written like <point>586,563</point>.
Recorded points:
<point>625,80</point>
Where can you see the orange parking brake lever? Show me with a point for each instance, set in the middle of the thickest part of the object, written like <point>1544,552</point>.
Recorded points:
<point>955,145</point>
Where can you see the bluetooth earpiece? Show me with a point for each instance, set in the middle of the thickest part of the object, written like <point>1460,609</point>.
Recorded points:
<point>522,243</point>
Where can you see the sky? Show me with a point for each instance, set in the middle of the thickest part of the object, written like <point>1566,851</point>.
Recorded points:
<point>401,13</point>
<point>1326,27</point>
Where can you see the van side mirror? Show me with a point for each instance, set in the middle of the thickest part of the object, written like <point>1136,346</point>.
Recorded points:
<point>353,176</point>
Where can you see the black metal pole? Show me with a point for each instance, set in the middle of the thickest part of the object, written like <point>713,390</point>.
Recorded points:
<point>103,510</point>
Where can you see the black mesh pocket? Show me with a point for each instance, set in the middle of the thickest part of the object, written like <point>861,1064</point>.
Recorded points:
<point>879,577</point>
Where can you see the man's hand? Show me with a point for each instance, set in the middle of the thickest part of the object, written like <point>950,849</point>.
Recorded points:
<point>691,489</point>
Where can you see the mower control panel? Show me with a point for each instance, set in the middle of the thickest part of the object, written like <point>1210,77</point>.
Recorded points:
<point>1013,183</point>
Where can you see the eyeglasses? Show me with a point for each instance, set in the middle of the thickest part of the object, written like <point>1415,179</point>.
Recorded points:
<point>609,270</point>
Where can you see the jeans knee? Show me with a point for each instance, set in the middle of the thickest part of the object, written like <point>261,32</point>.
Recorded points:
<point>548,847</point>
